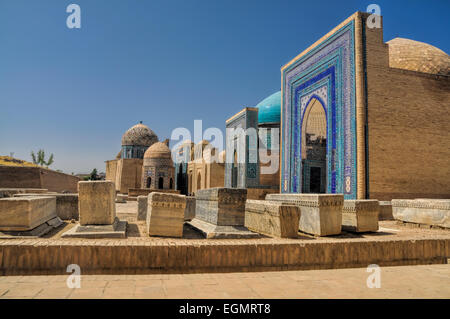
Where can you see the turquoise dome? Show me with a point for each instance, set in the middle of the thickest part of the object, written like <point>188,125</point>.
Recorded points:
<point>269,109</point>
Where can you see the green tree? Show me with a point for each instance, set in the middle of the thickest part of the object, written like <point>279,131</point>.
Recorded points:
<point>93,176</point>
<point>39,158</point>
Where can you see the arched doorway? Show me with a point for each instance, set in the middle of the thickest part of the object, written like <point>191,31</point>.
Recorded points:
<point>171,183</point>
<point>199,181</point>
<point>161,183</point>
<point>234,171</point>
<point>314,148</point>
<point>149,182</point>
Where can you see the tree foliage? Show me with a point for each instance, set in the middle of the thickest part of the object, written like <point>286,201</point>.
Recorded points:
<point>39,158</point>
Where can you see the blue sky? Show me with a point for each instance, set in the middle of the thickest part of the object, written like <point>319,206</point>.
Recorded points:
<point>74,92</point>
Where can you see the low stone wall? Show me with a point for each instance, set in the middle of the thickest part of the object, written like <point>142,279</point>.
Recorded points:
<point>37,177</point>
<point>433,212</point>
<point>10,192</point>
<point>112,257</point>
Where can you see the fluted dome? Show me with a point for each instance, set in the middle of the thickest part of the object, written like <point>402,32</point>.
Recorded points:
<point>158,150</point>
<point>139,134</point>
<point>269,109</point>
<point>418,56</point>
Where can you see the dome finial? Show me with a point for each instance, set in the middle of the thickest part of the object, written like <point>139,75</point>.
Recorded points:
<point>140,122</point>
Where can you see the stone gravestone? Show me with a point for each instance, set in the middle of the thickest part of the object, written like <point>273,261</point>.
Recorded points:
<point>66,204</point>
<point>189,213</point>
<point>272,218</point>
<point>31,216</point>
<point>165,214</point>
<point>220,213</point>
<point>360,215</point>
<point>97,211</point>
<point>320,214</point>
<point>385,211</point>
<point>142,207</point>
<point>433,212</point>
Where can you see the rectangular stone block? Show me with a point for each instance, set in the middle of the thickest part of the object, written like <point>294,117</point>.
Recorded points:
<point>272,218</point>
<point>121,198</point>
<point>189,212</point>
<point>385,211</point>
<point>360,215</point>
<point>66,204</point>
<point>96,202</point>
<point>142,207</point>
<point>221,206</point>
<point>165,214</point>
<point>26,213</point>
<point>320,214</point>
<point>434,212</point>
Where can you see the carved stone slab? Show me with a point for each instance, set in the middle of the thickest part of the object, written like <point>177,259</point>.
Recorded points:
<point>221,206</point>
<point>189,212</point>
<point>434,212</point>
<point>26,213</point>
<point>96,202</point>
<point>272,218</point>
<point>360,215</point>
<point>165,214</point>
<point>385,211</point>
<point>320,214</point>
<point>142,207</point>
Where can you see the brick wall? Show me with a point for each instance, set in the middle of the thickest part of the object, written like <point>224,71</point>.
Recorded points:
<point>408,134</point>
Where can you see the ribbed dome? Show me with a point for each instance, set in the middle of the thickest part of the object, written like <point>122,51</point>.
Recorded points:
<point>158,150</point>
<point>418,56</point>
<point>269,109</point>
<point>139,134</point>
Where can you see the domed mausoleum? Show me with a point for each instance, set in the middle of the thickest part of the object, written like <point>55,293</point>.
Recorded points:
<point>126,169</point>
<point>269,110</point>
<point>158,170</point>
<point>259,171</point>
<point>136,140</point>
<point>418,56</point>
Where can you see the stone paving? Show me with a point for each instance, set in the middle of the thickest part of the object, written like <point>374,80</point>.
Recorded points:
<point>427,281</point>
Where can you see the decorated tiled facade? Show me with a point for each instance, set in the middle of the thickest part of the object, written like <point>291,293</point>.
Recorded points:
<point>326,73</point>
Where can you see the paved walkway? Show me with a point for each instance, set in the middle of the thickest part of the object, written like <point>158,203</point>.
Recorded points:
<point>430,281</point>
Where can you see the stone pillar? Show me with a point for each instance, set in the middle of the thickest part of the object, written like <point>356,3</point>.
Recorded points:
<point>96,203</point>
<point>320,214</point>
<point>142,207</point>
<point>165,214</point>
<point>360,215</point>
<point>272,218</point>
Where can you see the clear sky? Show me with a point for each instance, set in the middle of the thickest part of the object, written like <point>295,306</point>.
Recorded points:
<point>74,92</point>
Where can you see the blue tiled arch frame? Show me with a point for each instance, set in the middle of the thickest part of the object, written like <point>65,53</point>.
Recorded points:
<point>332,59</point>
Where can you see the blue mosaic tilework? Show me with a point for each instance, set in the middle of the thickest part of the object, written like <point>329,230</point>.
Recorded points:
<point>326,73</point>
